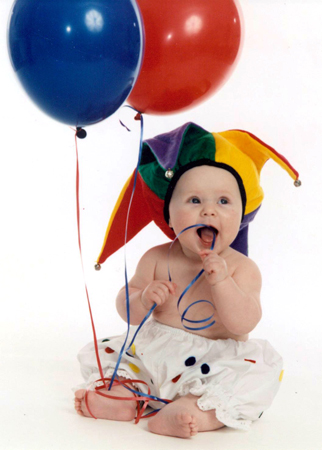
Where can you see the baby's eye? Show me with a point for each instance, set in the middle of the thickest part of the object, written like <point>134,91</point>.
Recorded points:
<point>194,200</point>
<point>223,201</point>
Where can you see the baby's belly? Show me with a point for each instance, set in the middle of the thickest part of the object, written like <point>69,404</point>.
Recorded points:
<point>215,331</point>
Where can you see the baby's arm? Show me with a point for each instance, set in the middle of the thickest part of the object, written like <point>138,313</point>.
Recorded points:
<point>236,297</point>
<point>144,290</point>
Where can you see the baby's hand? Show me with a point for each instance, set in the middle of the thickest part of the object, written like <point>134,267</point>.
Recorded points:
<point>157,292</point>
<point>215,267</point>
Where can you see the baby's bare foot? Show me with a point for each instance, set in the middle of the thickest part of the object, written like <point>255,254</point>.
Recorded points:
<point>106,408</point>
<point>174,422</point>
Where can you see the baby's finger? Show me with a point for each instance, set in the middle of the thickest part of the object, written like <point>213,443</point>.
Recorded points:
<point>204,253</point>
<point>171,286</point>
<point>210,266</point>
<point>154,297</point>
<point>162,292</point>
<point>209,272</point>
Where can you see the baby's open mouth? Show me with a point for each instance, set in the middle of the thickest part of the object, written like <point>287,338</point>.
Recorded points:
<point>206,234</point>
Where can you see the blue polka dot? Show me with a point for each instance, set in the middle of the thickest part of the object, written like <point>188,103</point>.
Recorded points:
<point>205,369</point>
<point>190,361</point>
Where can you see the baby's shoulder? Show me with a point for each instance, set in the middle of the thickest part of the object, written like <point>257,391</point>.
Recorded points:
<point>148,265</point>
<point>242,264</point>
<point>157,253</point>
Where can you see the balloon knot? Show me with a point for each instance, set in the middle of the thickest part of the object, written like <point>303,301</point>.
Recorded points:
<point>81,133</point>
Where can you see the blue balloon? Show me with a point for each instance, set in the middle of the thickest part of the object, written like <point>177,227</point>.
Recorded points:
<point>78,60</point>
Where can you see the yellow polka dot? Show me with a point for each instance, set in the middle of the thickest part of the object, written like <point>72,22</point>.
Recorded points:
<point>134,368</point>
<point>133,349</point>
<point>281,375</point>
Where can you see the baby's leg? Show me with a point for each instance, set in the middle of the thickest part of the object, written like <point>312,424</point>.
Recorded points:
<point>106,408</point>
<point>184,419</point>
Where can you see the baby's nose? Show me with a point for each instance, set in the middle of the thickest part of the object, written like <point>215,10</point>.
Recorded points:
<point>209,210</point>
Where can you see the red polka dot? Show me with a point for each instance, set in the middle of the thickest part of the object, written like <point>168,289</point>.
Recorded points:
<point>175,379</point>
<point>109,350</point>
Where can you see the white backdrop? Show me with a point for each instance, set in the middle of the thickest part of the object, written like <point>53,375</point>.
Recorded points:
<point>275,93</point>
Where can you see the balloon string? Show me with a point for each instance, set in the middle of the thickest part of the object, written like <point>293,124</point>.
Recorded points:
<point>82,264</point>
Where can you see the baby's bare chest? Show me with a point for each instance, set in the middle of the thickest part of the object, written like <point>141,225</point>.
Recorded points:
<point>191,278</point>
<point>193,298</point>
<point>191,287</point>
<point>192,309</point>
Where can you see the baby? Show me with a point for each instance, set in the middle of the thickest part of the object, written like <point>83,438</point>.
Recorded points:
<point>214,375</point>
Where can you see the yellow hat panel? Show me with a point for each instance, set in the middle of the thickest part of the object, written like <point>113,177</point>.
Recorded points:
<point>228,153</point>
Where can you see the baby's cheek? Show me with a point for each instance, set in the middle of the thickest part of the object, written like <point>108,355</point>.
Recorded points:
<point>236,215</point>
<point>183,220</point>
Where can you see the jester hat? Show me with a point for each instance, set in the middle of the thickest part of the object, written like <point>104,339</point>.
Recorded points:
<point>166,157</point>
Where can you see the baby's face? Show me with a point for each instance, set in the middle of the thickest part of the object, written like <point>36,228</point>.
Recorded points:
<point>206,195</point>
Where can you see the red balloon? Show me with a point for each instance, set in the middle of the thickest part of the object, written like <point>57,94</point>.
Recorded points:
<point>191,49</point>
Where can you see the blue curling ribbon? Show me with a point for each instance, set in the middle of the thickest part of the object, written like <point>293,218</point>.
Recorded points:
<point>151,397</point>
<point>183,316</point>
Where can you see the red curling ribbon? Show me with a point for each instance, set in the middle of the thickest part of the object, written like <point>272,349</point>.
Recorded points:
<point>82,264</point>
<point>136,397</point>
<point>250,360</point>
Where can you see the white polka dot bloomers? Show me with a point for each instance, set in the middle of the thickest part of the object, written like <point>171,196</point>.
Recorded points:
<point>237,379</point>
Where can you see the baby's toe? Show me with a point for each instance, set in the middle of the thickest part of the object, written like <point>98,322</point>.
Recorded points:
<point>80,394</point>
<point>193,426</point>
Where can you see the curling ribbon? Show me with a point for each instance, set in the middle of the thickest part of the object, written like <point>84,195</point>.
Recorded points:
<point>138,397</point>
<point>183,316</point>
<point>82,264</point>
<point>114,376</point>
<point>125,241</point>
